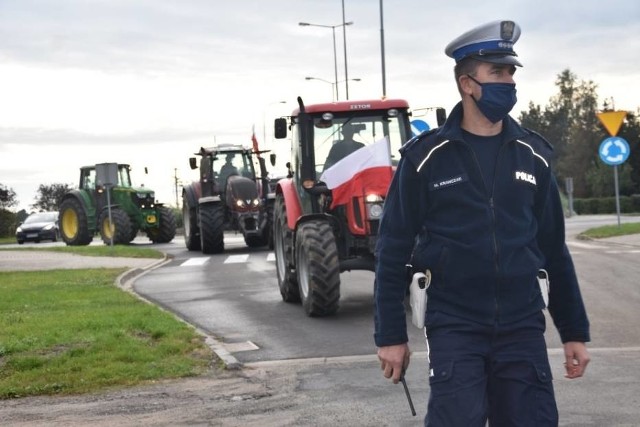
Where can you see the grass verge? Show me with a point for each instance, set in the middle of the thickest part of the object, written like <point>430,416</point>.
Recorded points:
<point>73,331</point>
<point>612,230</point>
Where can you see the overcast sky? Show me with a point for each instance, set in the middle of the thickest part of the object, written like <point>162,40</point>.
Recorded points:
<point>148,82</point>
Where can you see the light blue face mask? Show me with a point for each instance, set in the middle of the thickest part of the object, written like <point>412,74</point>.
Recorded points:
<point>497,99</point>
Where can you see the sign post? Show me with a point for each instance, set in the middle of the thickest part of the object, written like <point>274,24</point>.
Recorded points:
<point>107,177</point>
<point>614,150</point>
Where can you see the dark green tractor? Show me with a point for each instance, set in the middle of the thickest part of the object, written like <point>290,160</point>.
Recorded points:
<point>84,211</point>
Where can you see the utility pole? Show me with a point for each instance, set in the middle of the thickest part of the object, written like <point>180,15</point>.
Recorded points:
<point>176,181</point>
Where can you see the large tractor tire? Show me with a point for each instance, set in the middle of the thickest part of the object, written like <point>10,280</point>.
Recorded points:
<point>211,229</point>
<point>74,228</point>
<point>318,268</point>
<point>190,221</point>
<point>119,229</point>
<point>167,229</point>
<point>134,232</point>
<point>283,248</point>
<point>268,229</point>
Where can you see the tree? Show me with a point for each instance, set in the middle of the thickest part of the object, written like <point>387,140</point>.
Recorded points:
<point>571,124</point>
<point>7,197</point>
<point>50,196</point>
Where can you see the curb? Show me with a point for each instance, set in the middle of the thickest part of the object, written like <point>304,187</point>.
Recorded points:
<point>125,282</point>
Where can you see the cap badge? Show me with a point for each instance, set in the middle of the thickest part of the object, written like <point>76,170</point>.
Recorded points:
<point>506,30</point>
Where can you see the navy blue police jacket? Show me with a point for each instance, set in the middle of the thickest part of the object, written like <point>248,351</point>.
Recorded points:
<point>483,246</point>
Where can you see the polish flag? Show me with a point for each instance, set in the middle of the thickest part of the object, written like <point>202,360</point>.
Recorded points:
<point>365,171</point>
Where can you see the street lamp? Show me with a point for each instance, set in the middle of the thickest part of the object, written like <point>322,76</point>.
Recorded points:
<point>332,83</point>
<point>335,55</point>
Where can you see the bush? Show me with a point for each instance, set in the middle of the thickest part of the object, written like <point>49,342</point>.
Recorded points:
<point>8,223</point>
<point>607,205</point>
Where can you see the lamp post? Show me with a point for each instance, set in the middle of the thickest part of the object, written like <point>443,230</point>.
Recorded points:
<point>264,119</point>
<point>333,84</point>
<point>335,55</point>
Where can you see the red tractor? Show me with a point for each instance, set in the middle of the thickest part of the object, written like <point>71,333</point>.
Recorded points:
<point>230,195</point>
<point>319,231</point>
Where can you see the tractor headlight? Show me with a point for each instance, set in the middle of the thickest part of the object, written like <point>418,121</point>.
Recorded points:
<point>255,203</point>
<point>375,211</point>
<point>240,203</point>
<point>374,206</point>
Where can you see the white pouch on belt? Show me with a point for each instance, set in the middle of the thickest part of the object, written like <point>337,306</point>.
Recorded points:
<point>543,282</point>
<point>418,297</point>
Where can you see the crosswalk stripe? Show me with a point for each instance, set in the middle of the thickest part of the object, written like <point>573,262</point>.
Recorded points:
<point>235,259</point>
<point>195,261</point>
<point>271,257</point>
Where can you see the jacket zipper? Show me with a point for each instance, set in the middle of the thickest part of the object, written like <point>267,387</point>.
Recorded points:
<point>491,202</point>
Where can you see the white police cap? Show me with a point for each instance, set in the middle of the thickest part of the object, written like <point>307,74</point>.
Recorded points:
<point>492,42</point>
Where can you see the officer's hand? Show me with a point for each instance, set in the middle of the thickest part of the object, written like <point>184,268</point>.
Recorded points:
<point>576,359</point>
<point>393,360</point>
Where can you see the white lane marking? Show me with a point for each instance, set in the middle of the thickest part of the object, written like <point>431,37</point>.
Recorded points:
<point>236,259</point>
<point>195,261</point>
<point>231,259</point>
<point>585,245</point>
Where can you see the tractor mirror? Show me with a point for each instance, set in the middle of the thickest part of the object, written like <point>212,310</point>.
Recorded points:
<point>192,163</point>
<point>272,159</point>
<point>441,116</point>
<point>280,128</point>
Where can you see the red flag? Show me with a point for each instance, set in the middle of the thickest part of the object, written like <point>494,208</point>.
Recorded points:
<point>367,170</point>
<point>254,139</point>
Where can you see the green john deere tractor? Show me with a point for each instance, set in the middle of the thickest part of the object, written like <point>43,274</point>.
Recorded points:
<point>85,211</point>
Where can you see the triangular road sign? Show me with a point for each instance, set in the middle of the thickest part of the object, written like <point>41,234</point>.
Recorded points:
<point>612,120</point>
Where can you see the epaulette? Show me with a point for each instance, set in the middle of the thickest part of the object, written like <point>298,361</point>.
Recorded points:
<point>531,131</point>
<point>410,143</point>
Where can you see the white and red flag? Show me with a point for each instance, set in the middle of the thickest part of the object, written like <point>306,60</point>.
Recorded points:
<point>365,171</point>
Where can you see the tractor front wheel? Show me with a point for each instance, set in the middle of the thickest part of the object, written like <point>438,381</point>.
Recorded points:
<point>318,268</point>
<point>118,229</point>
<point>74,228</point>
<point>211,229</point>
<point>166,231</point>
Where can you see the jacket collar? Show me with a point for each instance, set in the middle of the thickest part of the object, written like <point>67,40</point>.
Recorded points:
<point>451,129</point>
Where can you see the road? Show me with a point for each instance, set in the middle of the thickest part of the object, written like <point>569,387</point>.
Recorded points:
<point>299,371</point>
<point>234,297</point>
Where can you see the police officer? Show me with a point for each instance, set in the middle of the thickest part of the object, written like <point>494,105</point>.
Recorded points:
<point>476,203</point>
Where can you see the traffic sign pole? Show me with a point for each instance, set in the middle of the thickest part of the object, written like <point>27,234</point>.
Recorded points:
<point>614,151</point>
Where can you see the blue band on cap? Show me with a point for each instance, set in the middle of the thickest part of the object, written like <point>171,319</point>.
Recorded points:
<point>495,46</point>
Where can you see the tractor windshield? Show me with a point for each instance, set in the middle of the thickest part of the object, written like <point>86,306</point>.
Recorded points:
<point>344,135</point>
<point>124,179</point>
<point>226,164</point>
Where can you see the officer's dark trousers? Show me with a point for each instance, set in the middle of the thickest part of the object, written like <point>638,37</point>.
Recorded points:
<point>498,373</point>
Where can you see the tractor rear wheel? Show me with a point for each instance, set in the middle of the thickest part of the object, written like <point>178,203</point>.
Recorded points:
<point>190,221</point>
<point>283,248</point>
<point>166,231</point>
<point>211,229</point>
<point>119,229</point>
<point>74,228</point>
<point>134,232</point>
<point>318,268</point>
